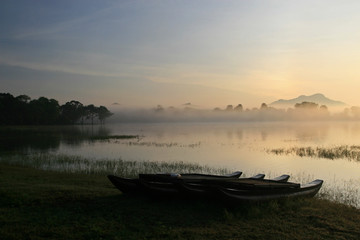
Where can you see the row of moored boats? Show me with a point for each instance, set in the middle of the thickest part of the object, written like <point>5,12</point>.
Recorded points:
<point>229,187</point>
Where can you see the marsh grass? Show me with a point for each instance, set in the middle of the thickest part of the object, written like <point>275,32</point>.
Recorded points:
<point>157,144</point>
<point>114,137</point>
<point>120,139</point>
<point>342,191</point>
<point>78,164</point>
<point>350,152</point>
<point>336,190</point>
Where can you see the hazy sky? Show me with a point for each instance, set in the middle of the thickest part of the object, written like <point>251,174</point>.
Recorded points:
<point>209,53</point>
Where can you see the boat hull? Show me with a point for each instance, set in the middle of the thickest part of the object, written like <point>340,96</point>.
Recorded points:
<point>228,189</point>
<point>308,190</point>
<point>166,183</point>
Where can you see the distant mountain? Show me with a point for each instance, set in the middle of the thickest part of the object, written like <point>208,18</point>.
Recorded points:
<point>316,98</point>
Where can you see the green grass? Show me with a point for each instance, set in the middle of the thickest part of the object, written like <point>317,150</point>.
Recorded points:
<point>37,204</point>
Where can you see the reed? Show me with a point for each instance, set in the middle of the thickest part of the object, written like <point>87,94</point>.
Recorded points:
<point>116,137</point>
<point>78,164</point>
<point>157,144</point>
<point>351,152</point>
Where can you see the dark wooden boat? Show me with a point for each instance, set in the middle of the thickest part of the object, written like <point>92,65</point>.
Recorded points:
<point>168,177</point>
<point>207,186</point>
<point>161,181</point>
<point>282,178</point>
<point>258,176</point>
<point>270,192</point>
<point>125,185</point>
<point>229,188</point>
<point>210,187</point>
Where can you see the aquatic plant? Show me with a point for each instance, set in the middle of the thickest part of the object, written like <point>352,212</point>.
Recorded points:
<point>344,152</point>
<point>156,144</point>
<point>66,163</point>
<point>114,137</point>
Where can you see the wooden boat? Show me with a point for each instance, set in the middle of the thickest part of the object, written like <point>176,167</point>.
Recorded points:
<point>230,188</point>
<point>265,193</point>
<point>282,178</point>
<point>165,182</point>
<point>125,185</point>
<point>258,176</point>
<point>206,186</point>
<point>161,181</point>
<point>168,177</point>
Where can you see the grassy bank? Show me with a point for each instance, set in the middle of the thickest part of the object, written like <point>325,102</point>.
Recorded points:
<point>36,204</point>
<point>78,164</point>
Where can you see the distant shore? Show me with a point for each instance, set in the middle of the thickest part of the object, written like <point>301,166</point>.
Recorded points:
<point>45,204</point>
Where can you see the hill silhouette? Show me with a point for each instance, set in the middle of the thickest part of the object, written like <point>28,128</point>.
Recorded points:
<point>315,98</point>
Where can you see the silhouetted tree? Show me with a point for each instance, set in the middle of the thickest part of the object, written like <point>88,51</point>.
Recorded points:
<point>239,108</point>
<point>71,112</point>
<point>23,98</point>
<point>23,110</point>
<point>159,108</point>
<point>44,111</point>
<point>7,109</point>
<point>263,106</point>
<point>229,108</point>
<point>103,113</point>
<point>91,113</point>
<point>306,105</point>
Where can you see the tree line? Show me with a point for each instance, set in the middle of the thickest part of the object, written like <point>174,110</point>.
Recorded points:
<point>22,110</point>
<point>264,106</point>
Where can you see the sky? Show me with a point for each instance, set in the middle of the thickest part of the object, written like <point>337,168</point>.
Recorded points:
<point>210,53</point>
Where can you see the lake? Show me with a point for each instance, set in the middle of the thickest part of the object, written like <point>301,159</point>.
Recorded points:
<point>235,146</point>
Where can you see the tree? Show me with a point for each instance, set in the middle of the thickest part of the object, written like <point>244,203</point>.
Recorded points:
<point>239,108</point>
<point>306,105</point>
<point>159,108</point>
<point>8,111</point>
<point>103,113</point>
<point>229,108</point>
<point>44,111</point>
<point>23,98</point>
<point>91,112</point>
<point>23,110</point>
<point>324,108</point>
<point>263,106</point>
<point>71,112</point>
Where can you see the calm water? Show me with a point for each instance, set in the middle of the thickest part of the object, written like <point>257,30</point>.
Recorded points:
<point>236,146</point>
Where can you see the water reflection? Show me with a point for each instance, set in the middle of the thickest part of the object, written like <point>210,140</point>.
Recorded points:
<point>262,135</point>
<point>46,138</point>
<point>317,133</point>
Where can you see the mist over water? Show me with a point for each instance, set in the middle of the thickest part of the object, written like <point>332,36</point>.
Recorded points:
<point>231,114</point>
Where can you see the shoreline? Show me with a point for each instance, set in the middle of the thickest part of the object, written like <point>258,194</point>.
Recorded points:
<point>46,204</point>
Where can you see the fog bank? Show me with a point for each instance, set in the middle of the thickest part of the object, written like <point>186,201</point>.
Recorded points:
<point>265,113</point>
